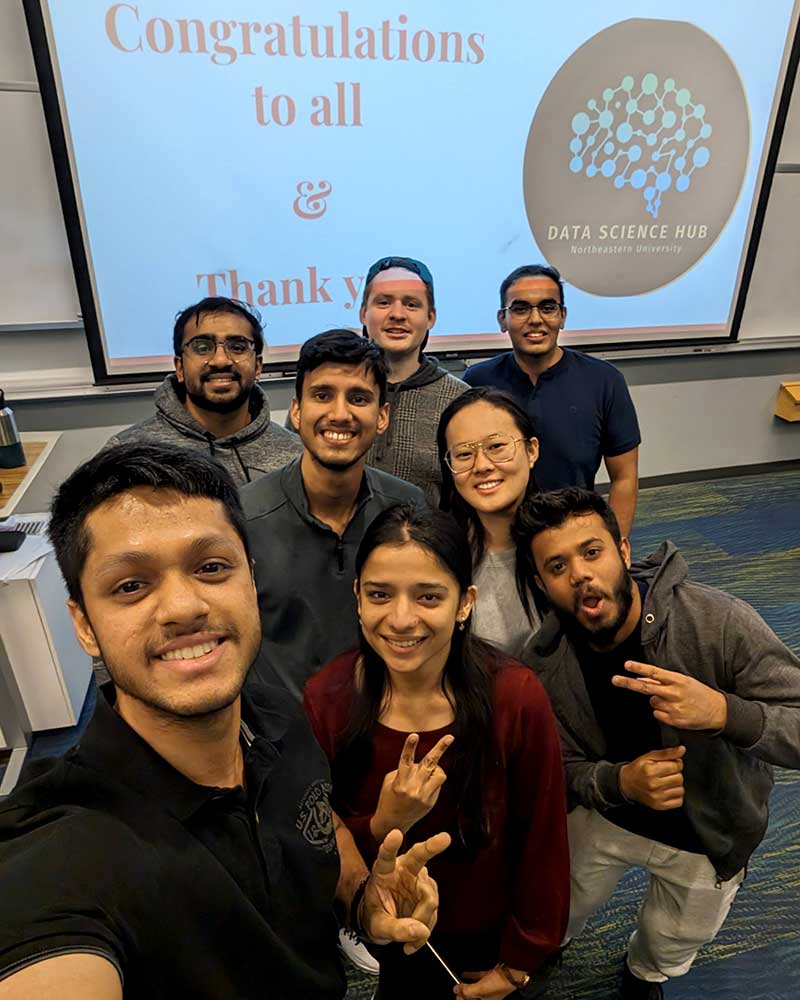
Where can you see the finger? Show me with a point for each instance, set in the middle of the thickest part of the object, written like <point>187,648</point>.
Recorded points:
<point>408,752</point>
<point>427,906</point>
<point>650,670</point>
<point>417,857</point>
<point>661,768</point>
<point>674,802</point>
<point>387,853</point>
<point>672,718</point>
<point>664,784</point>
<point>667,753</point>
<point>638,684</point>
<point>433,756</point>
<point>433,783</point>
<point>404,930</point>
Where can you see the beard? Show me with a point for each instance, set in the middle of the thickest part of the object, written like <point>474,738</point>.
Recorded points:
<point>601,634</point>
<point>204,402</point>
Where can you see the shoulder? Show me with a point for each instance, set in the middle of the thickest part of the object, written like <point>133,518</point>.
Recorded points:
<point>601,372</point>
<point>144,429</point>
<point>283,437</point>
<point>333,681</point>
<point>483,372</point>
<point>265,495</point>
<point>517,686</point>
<point>388,489</point>
<point>453,387</point>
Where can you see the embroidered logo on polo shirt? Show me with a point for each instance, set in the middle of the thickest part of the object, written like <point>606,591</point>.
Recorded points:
<point>315,819</point>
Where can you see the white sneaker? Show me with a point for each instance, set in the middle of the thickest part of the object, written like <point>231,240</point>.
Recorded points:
<point>353,949</point>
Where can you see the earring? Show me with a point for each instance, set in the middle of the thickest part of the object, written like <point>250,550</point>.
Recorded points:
<point>461,623</point>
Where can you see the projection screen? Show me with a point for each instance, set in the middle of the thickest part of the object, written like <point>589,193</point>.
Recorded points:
<point>272,153</point>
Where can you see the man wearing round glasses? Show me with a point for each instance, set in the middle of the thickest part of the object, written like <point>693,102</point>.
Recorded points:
<point>579,405</point>
<point>213,401</point>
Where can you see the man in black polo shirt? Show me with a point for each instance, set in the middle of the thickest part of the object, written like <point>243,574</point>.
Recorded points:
<point>673,699</point>
<point>579,405</point>
<point>186,847</point>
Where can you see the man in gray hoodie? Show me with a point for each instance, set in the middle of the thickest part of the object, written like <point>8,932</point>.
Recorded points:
<point>213,403</point>
<point>673,700</point>
<point>398,313</point>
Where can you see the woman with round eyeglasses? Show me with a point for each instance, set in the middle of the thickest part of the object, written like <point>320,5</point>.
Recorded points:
<point>429,728</point>
<point>487,450</point>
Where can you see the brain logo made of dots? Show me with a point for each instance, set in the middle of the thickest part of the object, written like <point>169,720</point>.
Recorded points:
<point>636,156</point>
<point>649,135</point>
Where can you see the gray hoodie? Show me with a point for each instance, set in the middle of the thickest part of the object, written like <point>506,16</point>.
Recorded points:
<point>408,448</point>
<point>722,642</point>
<point>256,449</point>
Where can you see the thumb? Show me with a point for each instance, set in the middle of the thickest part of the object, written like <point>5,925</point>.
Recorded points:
<point>668,753</point>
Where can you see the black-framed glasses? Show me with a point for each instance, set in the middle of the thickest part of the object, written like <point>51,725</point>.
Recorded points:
<point>205,347</point>
<point>498,448</point>
<point>520,309</point>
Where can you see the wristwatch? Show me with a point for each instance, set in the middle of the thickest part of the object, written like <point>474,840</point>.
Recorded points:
<point>518,980</point>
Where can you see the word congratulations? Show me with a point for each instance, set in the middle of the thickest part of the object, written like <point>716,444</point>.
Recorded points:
<point>224,42</point>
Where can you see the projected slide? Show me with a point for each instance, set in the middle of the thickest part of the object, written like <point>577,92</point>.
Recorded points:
<point>272,152</point>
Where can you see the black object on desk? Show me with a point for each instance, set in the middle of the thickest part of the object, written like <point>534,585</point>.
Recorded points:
<point>10,539</point>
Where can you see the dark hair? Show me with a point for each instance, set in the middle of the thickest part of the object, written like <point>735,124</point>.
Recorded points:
<point>531,271</point>
<point>543,511</point>
<point>341,347</point>
<point>119,469</point>
<point>451,499</point>
<point>218,304</point>
<point>467,679</point>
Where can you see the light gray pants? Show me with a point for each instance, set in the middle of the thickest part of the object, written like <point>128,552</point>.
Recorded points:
<point>684,905</point>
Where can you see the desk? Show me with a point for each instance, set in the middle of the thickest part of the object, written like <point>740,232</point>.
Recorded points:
<point>37,446</point>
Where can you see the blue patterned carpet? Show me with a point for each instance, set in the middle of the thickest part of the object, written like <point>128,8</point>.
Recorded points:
<point>742,535</point>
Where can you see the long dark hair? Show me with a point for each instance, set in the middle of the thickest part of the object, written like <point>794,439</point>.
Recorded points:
<point>451,500</point>
<point>467,679</point>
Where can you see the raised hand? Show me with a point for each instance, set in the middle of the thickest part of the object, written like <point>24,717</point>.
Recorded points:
<point>655,779</point>
<point>401,900</point>
<point>676,699</point>
<point>410,792</point>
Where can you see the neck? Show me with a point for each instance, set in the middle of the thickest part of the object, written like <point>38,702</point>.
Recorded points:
<point>627,627</point>
<point>331,493</point>
<point>205,749</point>
<point>402,367</point>
<point>417,701</point>
<point>534,365</point>
<point>220,424</point>
<point>497,529</point>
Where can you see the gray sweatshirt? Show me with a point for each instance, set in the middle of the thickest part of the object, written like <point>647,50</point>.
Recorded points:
<point>250,453</point>
<point>722,642</point>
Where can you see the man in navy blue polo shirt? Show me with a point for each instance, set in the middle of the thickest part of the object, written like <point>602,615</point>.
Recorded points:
<point>580,405</point>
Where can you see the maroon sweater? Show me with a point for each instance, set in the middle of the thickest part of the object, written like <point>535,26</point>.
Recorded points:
<point>516,889</point>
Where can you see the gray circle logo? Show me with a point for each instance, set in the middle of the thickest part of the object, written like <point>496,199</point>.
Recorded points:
<point>636,156</point>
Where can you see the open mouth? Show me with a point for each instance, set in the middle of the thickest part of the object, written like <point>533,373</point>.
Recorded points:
<point>592,604</point>
<point>403,645</point>
<point>195,652</point>
<point>338,437</point>
<point>488,485</point>
<point>222,379</point>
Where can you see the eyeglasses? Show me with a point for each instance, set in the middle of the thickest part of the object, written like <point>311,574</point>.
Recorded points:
<point>520,309</point>
<point>236,348</point>
<point>498,448</point>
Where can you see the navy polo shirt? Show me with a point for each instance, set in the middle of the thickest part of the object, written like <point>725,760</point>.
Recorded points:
<point>189,891</point>
<point>581,411</point>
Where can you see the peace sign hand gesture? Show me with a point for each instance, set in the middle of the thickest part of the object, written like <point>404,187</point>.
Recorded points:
<point>410,792</point>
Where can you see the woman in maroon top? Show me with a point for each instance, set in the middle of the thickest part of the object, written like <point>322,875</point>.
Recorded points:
<point>429,728</point>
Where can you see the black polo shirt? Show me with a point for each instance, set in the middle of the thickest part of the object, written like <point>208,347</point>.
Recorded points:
<point>581,411</point>
<point>190,891</point>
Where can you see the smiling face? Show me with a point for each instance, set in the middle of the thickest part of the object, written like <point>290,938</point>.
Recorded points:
<point>533,336</point>
<point>216,382</point>
<point>169,601</point>
<point>585,577</point>
<point>491,487</point>
<point>339,415</point>
<point>397,312</point>
<point>409,606</point>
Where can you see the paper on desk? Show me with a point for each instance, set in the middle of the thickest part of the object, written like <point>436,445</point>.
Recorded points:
<point>19,565</point>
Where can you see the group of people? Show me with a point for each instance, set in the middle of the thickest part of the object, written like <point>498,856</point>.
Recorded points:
<point>405,615</point>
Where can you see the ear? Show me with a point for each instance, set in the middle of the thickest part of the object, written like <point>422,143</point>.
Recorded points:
<point>362,315</point>
<point>625,552</point>
<point>294,414</point>
<point>259,365</point>
<point>179,367</point>
<point>383,418</point>
<point>501,319</point>
<point>563,317</point>
<point>431,319</point>
<point>357,592</point>
<point>538,581</point>
<point>533,452</point>
<point>83,629</point>
<point>467,603</point>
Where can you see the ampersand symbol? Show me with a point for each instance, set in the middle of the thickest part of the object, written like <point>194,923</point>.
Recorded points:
<point>310,202</point>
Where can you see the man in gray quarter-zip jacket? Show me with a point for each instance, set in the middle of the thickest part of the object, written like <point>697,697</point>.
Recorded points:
<point>673,700</point>
<point>213,403</point>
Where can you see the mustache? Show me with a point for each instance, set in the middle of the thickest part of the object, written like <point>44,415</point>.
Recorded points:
<point>219,632</point>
